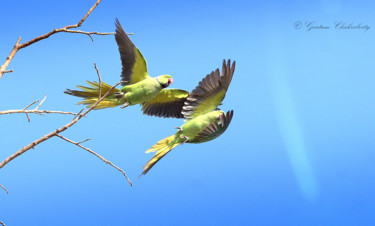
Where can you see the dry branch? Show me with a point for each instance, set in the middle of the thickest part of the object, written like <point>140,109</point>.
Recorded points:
<point>78,113</point>
<point>89,33</point>
<point>4,189</point>
<point>18,46</point>
<point>97,155</point>
<point>35,110</point>
<point>56,132</point>
<point>100,81</point>
<point>2,223</point>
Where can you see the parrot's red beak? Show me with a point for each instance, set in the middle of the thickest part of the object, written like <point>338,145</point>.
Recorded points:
<point>170,81</point>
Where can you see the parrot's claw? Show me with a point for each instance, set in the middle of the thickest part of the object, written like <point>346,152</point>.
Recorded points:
<point>125,105</point>
<point>179,129</point>
<point>186,139</point>
<point>119,94</point>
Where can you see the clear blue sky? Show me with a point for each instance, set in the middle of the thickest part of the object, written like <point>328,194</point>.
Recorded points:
<point>299,151</point>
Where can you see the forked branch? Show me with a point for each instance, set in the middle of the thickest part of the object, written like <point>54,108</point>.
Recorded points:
<point>35,110</point>
<point>89,33</point>
<point>54,133</point>
<point>19,46</point>
<point>62,129</point>
<point>97,155</point>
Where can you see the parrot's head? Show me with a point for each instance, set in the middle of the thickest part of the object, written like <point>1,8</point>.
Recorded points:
<point>165,80</point>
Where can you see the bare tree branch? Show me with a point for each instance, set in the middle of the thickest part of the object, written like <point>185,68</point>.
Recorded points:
<point>84,18</point>
<point>100,81</point>
<point>4,189</point>
<point>10,57</point>
<point>54,133</point>
<point>18,46</point>
<point>62,129</point>
<point>81,142</point>
<point>97,155</point>
<point>32,104</point>
<point>35,110</point>
<point>2,224</point>
<point>91,33</point>
<point>78,113</point>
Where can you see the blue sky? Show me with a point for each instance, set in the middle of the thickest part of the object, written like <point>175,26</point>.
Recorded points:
<point>299,151</point>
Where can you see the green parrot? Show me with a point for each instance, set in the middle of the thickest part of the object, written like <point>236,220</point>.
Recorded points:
<point>204,121</point>
<point>138,86</point>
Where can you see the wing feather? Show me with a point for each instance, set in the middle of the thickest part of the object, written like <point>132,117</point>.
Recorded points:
<point>210,92</point>
<point>214,130</point>
<point>134,65</point>
<point>167,104</point>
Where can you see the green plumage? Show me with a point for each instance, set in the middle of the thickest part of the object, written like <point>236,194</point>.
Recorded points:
<point>142,91</point>
<point>138,86</point>
<point>204,122</point>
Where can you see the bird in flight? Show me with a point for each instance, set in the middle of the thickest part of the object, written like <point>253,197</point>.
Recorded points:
<point>138,86</point>
<point>204,121</point>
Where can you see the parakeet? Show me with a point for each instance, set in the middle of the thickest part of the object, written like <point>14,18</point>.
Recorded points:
<point>204,121</point>
<point>138,86</point>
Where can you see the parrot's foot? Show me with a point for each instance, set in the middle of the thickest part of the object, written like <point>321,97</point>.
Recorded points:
<point>119,94</point>
<point>186,139</point>
<point>179,129</point>
<point>125,105</point>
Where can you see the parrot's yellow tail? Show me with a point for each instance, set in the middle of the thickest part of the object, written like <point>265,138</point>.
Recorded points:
<point>91,95</point>
<point>162,148</point>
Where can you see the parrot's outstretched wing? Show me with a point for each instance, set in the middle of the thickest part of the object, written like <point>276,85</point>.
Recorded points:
<point>210,92</point>
<point>134,65</point>
<point>214,130</point>
<point>168,103</point>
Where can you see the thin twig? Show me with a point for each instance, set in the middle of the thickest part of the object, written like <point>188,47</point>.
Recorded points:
<point>41,102</point>
<point>84,141</point>
<point>18,46</point>
<point>31,104</point>
<point>28,118</point>
<point>2,224</point>
<point>4,189</point>
<point>10,57</point>
<point>89,33</point>
<point>87,14</point>
<point>38,112</point>
<point>97,155</point>
<point>10,71</point>
<point>78,114</point>
<point>100,81</point>
<point>35,110</point>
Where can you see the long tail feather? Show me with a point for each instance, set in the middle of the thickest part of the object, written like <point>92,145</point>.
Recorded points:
<point>162,148</point>
<point>91,95</point>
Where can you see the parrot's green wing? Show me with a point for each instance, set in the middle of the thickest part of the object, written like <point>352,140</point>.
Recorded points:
<point>210,92</point>
<point>214,130</point>
<point>134,66</point>
<point>168,103</point>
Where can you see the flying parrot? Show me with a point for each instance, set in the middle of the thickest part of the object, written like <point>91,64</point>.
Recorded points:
<point>138,86</point>
<point>204,121</point>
